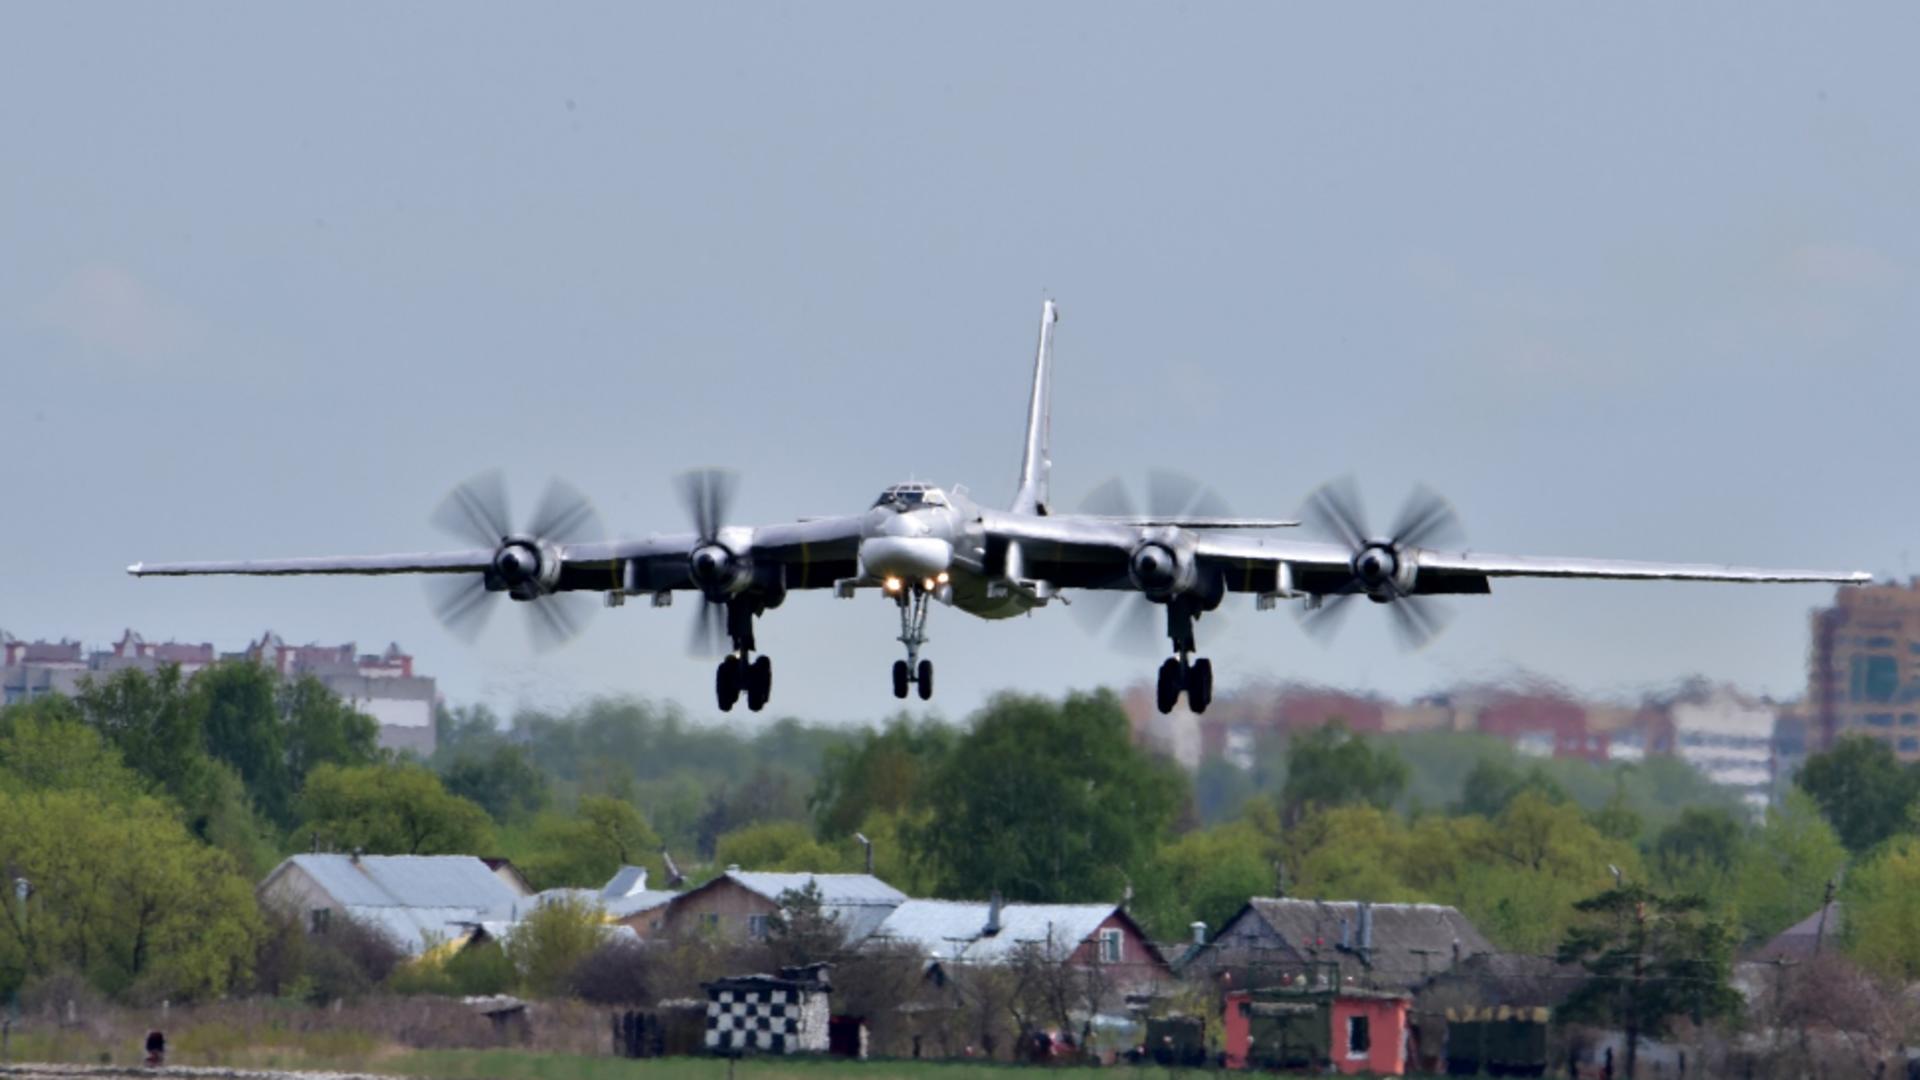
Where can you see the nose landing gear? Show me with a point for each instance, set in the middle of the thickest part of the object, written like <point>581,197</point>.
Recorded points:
<point>913,671</point>
<point>1184,672</point>
<point>741,672</point>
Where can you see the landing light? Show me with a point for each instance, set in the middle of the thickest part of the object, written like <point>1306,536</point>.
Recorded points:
<point>927,585</point>
<point>942,579</point>
<point>893,584</point>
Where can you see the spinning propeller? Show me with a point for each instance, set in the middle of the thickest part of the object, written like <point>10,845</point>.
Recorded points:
<point>525,565</point>
<point>1380,566</point>
<point>707,494</point>
<point>1126,618</point>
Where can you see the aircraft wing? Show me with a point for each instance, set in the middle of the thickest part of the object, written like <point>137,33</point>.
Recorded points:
<point>1090,553</point>
<point>810,554</point>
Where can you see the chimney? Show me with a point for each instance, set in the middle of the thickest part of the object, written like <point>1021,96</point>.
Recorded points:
<point>868,844</point>
<point>1456,951</point>
<point>993,916</point>
<point>733,868</point>
<point>1366,930</point>
<point>1346,933</point>
<point>1199,932</point>
<point>357,852</point>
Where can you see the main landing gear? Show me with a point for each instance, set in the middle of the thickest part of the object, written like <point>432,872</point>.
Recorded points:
<point>742,672</point>
<point>913,671</point>
<point>1184,672</point>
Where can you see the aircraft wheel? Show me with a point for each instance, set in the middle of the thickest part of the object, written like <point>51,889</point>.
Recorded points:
<point>926,680</point>
<point>1200,685</point>
<point>1172,678</point>
<point>726,683</point>
<point>759,683</point>
<point>901,676</point>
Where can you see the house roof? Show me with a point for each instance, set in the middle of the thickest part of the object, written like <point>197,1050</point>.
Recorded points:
<point>836,890</point>
<point>956,929</point>
<point>411,897</point>
<point>1516,979</point>
<point>1797,942</point>
<point>1409,942</point>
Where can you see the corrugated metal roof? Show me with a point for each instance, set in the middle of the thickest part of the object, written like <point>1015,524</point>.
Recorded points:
<point>954,929</point>
<point>413,899</point>
<point>836,890</point>
<point>426,881</point>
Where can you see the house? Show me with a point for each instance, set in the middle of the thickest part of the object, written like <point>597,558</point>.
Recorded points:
<point>738,904</point>
<point>954,932</point>
<point>625,899</point>
<point>1383,946</point>
<point>1804,939</point>
<point>417,901</point>
<point>1316,1024</point>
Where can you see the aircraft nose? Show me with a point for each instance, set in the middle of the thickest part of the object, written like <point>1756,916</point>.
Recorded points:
<point>904,525</point>
<point>910,558</point>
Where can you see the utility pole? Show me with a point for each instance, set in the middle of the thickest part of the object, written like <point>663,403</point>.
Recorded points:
<point>1639,972</point>
<point>1820,928</point>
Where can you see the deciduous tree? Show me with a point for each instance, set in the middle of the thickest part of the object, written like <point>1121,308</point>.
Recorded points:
<point>395,809</point>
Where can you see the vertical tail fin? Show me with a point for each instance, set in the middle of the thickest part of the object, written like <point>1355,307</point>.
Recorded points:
<point>1037,463</point>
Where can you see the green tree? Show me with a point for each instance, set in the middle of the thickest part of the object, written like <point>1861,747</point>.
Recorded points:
<point>1330,766</point>
<point>122,894</point>
<point>1882,919</point>
<point>45,747</point>
<point>154,722</point>
<point>1047,801</point>
<point>321,729</point>
<point>584,849</point>
<point>1351,853</point>
<point>1519,875</point>
<point>1206,875</point>
<point>237,702</point>
<point>394,809</point>
<point>779,845</point>
<point>1697,853</point>
<point>1862,788</point>
<point>502,778</point>
<point>1495,782</point>
<point>552,940</point>
<point>1783,873</point>
<point>1650,959</point>
<point>802,931</point>
<point>881,773</point>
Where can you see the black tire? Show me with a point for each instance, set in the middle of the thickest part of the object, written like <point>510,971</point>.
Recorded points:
<point>726,683</point>
<point>1167,693</point>
<point>926,680</point>
<point>900,679</point>
<point>759,683</point>
<point>1200,685</point>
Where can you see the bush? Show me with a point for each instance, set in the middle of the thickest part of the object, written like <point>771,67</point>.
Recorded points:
<point>551,941</point>
<point>613,974</point>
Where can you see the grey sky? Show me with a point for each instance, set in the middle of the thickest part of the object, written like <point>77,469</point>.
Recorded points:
<point>1633,282</point>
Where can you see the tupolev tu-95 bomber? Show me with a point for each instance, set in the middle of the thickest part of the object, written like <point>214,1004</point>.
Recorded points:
<point>1174,560</point>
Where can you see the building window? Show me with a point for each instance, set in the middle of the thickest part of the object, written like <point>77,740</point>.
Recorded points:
<point>317,920</point>
<point>1879,719</point>
<point>710,921</point>
<point>757,927</point>
<point>1909,744</point>
<point>1873,678</point>
<point>1359,1037</point>
<point>1109,946</point>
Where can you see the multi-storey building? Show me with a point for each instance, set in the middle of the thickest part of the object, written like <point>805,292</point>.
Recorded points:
<point>381,685</point>
<point>1864,668</point>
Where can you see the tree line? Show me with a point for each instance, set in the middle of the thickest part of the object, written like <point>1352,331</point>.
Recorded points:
<point>184,791</point>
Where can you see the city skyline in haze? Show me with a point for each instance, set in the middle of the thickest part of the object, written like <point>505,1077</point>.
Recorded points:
<point>1635,285</point>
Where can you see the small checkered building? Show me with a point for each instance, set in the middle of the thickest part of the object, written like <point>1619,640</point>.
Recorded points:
<point>761,1014</point>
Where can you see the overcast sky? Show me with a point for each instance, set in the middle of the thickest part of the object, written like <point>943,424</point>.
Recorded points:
<point>1627,281</point>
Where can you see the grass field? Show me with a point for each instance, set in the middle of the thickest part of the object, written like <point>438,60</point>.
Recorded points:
<point>512,1065</point>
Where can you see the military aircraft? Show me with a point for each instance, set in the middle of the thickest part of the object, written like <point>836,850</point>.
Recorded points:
<point>919,544</point>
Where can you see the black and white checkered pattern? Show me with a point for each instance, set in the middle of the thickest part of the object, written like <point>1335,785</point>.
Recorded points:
<point>761,1019</point>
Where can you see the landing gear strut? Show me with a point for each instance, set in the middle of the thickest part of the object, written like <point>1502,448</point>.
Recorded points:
<point>742,672</point>
<point>1184,672</point>
<point>913,601</point>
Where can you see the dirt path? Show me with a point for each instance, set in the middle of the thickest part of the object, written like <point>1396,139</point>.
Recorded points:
<point>28,1070</point>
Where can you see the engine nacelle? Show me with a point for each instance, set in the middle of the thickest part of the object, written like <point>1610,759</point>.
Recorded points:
<point>1384,574</point>
<point>525,568</point>
<point>718,572</point>
<point>1161,570</point>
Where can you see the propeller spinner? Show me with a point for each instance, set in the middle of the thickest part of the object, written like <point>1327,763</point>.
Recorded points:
<point>526,563</point>
<point>1382,567</point>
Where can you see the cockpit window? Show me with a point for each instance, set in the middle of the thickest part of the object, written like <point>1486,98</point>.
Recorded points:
<point>908,497</point>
